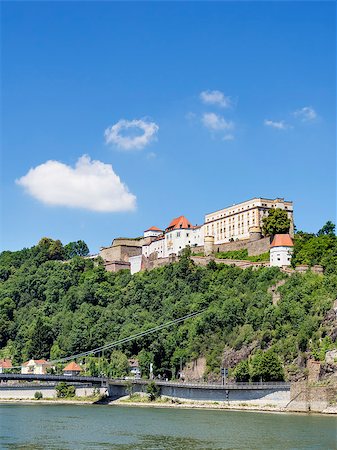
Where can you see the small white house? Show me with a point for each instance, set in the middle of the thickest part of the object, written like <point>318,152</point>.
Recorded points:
<point>134,368</point>
<point>72,369</point>
<point>281,250</point>
<point>35,367</point>
<point>153,232</point>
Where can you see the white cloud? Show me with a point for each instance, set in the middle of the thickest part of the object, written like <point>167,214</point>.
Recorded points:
<point>281,125</point>
<point>215,98</point>
<point>113,134</point>
<point>215,122</point>
<point>91,185</point>
<point>306,114</point>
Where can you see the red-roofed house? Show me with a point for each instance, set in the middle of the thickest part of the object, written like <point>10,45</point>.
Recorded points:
<point>134,368</point>
<point>179,223</point>
<point>153,232</point>
<point>35,366</point>
<point>281,250</point>
<point>72,369</point>
<point>5,364</point>
<point>178,235</point>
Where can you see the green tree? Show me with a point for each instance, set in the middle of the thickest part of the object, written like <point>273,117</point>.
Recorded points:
<point>145,358</point>
<point>277,222</point>
<point>78,248</point>
<point>327,229</point>
<point>56,250</point>
<point>41,339</point>
<point>266,366</point>
<point>241,371</point>
<point>64,390</point>
<point>119,365</point>
<point>153,390</point>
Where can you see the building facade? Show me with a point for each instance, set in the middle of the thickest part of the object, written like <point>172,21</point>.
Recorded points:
<point>35,366</point>
<point>242,220</point>
<point>179,234</point>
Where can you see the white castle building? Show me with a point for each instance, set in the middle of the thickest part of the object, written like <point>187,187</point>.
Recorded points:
<point>178,235</point>
<point>242,221</point>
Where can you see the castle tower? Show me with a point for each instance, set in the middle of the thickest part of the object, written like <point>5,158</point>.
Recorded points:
<point>281,250</point>
<point>208,245</point>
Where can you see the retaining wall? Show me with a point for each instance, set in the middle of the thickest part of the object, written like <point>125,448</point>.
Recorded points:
<point>274,397</point>
<point>305,397</point>
<point>48,391</point>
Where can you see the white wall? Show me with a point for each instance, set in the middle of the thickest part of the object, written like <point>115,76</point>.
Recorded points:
<point>177,240</point>
<point>135,263</point>
<point>152,233</point>
<point>280,256</point>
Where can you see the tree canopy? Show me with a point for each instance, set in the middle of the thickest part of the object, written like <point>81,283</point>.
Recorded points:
<point>51,308</point>
<point>275,222</point>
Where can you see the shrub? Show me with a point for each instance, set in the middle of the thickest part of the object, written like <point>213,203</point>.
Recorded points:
<point>63,390</point>
<point>38,395</point>
<point>153,390</point>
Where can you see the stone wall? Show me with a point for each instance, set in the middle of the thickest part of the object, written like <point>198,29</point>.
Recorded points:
<point>257,247</point>
<point>254,247</point>
<point>243,264</point>
<point>130,242</point>
<point>305,397</point>
<point>152,262</point>
<point>119,252</point>
<point>116,266</point>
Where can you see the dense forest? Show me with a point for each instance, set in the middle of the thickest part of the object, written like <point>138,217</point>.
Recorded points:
<point>54,303</point>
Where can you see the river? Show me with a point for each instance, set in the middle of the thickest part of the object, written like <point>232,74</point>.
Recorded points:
<point>42,426</point>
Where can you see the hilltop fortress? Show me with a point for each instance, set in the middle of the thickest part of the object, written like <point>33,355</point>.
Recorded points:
<point>232,228</point>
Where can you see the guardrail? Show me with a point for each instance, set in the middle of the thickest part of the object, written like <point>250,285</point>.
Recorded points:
<point>216,385</point>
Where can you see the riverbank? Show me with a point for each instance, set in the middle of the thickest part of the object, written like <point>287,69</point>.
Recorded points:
<point>50,401</point>
<point>174,403</point>
<point>169,403</point>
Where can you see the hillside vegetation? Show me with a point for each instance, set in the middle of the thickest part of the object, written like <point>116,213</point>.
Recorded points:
<point>51,308</point>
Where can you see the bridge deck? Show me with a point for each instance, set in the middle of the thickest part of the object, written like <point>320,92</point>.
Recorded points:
<point>122,382</point>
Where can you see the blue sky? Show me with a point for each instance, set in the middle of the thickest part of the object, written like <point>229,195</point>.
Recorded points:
<point>181,108</point>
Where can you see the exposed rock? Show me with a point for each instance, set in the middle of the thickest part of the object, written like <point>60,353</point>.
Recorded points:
<point>331,357</point>
<point>273,290</point>
<point>195,370</point>
<point>232,357</point>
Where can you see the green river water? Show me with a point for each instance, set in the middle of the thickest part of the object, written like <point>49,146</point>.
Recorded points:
<point>42,426</point>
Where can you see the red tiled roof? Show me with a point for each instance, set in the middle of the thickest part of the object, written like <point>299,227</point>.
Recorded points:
<point>36,361</point>
<point>179,222</point>
<point>72,367</point>
<point>6,363</point>
<point>282,240</point>
<point>153,229</point>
